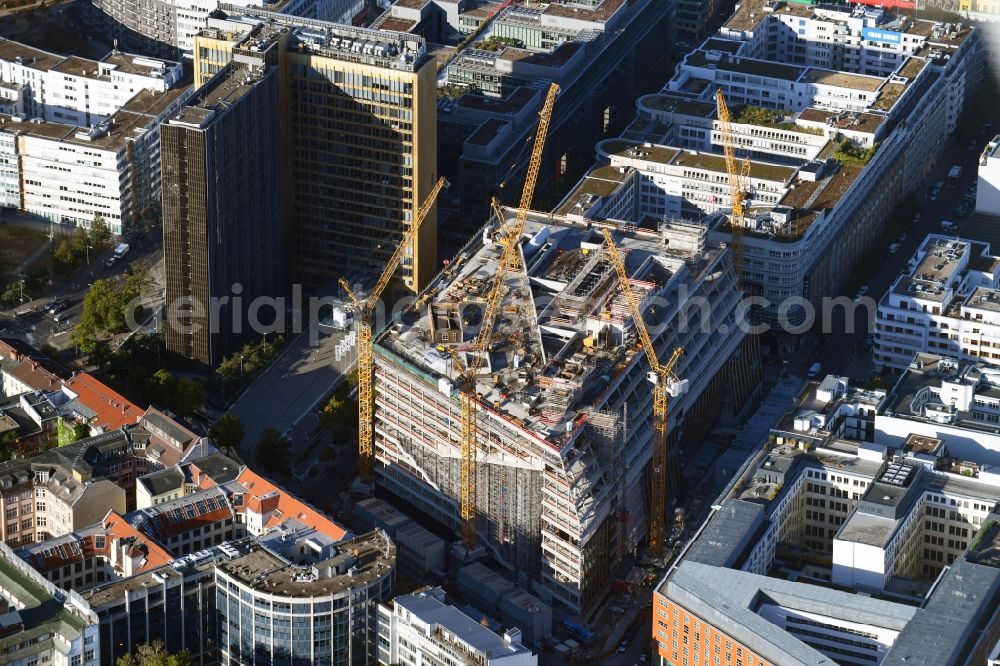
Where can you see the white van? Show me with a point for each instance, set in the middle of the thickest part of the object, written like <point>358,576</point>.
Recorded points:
<point>814,370</point>
<point>948,226</point>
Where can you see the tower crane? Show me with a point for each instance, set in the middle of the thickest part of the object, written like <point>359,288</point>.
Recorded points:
<point>364,309</point>
<point>739,179</point>
<point>466,383</point>
<point>739,185</point>
<point>665,384</point>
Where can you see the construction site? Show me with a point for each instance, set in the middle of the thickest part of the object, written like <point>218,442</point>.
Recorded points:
<point>560,469</point>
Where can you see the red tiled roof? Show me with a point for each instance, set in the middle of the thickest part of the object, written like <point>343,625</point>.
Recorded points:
<point>119,529</point>
<point>113,411</point>
<point>32,374</point>
<point>259,491</point>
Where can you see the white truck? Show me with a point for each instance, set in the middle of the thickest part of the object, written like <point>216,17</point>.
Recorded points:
<point>948,226</point>
<point>121,250</point>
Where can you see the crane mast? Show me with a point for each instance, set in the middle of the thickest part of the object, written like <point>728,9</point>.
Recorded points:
<point>364,309</point>
<point>738,178</point>
<point>665,383</point>
<point>509,260</point>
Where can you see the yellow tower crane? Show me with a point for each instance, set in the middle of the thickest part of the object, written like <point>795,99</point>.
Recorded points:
<point>665,385</point>
<point>739,179</point>
<point>466,384</point>
<point>741,367</point>
<point>364,309</point>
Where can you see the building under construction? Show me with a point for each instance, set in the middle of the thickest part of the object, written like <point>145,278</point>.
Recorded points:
<point>564,423</point>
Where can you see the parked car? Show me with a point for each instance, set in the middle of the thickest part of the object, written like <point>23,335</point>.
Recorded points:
<point>893,248</point>
<point>59,307</point>
<point>110,261</point>
<point>623,647</point>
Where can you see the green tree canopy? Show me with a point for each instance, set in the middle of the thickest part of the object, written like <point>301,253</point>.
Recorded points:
<point>155,654</point>
<point>178,394</point>
<point>99,233</point>
<point>228,432</point>
<point>274,451</point>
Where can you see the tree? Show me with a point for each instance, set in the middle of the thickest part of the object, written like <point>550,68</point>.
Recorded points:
<point>180,395</point>
<point>8,445</point>
<point>66,434</point>
<point>99,233</point>
<point>155,654</point>
<point>228,432</point>
<point>332,416</point>
<point>65,257</point>
<point>273,451</point>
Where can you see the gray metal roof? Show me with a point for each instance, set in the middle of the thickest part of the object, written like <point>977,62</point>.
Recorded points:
<point>728,599</point>
<point>434,612</point>
<point>945,630</point>
<point>163,481</point>
<point>727,533</point>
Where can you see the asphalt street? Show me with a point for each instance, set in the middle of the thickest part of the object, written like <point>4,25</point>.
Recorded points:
<point>840,354</point>
<point>30,322</point>
<point>292,387</point>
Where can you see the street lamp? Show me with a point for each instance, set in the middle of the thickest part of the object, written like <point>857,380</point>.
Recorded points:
<point>241,365</point>
<point>89,248</point>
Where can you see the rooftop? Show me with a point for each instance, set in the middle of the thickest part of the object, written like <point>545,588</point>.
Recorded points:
<point>355,563</point>
<point>710,162</point>
<point>555,373</point>
<point>427,607</point>
<point>829,77</point>
<point>752,66</point>
<point>601,13</point>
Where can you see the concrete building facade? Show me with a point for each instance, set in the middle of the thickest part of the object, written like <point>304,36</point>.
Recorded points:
<point>168,27</point>
<point>562,488</point>
<point>223,221</point>
<point>359,149</point>
<point>820,86</point>
<point>421,628</point>
<point>946,303</point>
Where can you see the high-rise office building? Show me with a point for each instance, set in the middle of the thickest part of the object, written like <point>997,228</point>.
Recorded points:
<point>223,229</point>
<point>359,134</point>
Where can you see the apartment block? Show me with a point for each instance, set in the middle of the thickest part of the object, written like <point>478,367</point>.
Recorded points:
<point>359,143</point>
<point>41,624</point>
<point>831,105</point>
<point>947,303</point>
<point>80,138</point>
<point>824,511</point>
<point>223,221</point>
<point>422,628</point>
<point>944,398</point>
<point>988,181</point>
<point>108,550</point>
<point>600,54</point>
<point>562,490</point>
<point>317,607</point>
<point>76,91</point>
<point>168,27</point>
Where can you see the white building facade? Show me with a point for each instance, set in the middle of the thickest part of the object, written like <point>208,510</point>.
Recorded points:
<point>420,629</point>
<point>946,303</point>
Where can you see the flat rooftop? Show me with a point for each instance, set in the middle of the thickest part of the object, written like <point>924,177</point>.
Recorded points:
<point>710,162</point>
<point>601,13</point>
<point>548,372</point>
<point>942,257</point>
<point>752,66</point>
<point>370,555</point>
<point>678,104</point>
<point>637,150</point>
<point>829,77</point>
<point>856,122</point>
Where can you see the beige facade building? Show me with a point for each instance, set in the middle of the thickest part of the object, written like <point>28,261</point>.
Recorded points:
<point>359,137</point>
